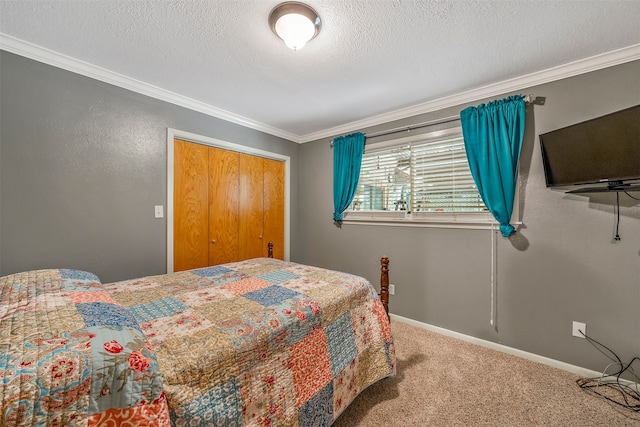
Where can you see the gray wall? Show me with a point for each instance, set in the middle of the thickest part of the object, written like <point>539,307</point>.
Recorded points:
<point>82,164</point>
<point>562,265</point>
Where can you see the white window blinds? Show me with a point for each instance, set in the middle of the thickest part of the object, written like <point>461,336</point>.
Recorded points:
<point>427,175</point>
<point>441,179</point>
<point>384,180</point>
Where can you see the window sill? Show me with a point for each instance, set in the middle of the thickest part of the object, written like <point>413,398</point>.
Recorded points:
<point>475,221</point>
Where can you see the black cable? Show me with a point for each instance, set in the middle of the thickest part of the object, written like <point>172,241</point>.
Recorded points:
<point>595,343</point>
<point>617,238</point>
<point>627,396</point>
<point>634,198</point>
<point>617,359</point>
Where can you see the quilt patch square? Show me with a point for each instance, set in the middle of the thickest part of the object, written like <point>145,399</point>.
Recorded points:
<point>304,285</point>
<point>271,296</point>
<point>217,275</point>
<point>76,285</point>
<point>211,271</point>
<point>34,282</point>
<point>219,406</point>
<point>43,302</point>
<point>310,365</point>
<point>20,282</point>
<point>205,296</point>
<point>279,276</point>
<point>330,276</point>
<point>301,270</point>
<point>341,344</point>
<point>257,267</point>
<point>373,365</point>
<point>221,279</point>
<point>383,321</point>
<point>299,317</point>
<point>269,398</point>
<point>179,375</point>
<point>177,288</point>
<point>54,321</point>
<point>219,311</point>
<point>248,284</point>
<point>183,323</point>
<point>139,285</point>
<point>345,387</point>
<point>139,296</point>
<point>173,278</point>
<point>365,323</point>
<point>78,275</point>
<point>318,411</point>
<point>334,301</point>
<point>158,308</point>
<point>187,281</point>
<point>98,296</point>
<point>105,314</point>
<point>115,351</point>
<point>251,330</point>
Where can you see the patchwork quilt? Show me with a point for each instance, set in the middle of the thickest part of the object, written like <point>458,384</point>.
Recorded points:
<point>70,355</point>
<point>260,342</point>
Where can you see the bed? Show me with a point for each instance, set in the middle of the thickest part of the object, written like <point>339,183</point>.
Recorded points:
<point>261,342</point>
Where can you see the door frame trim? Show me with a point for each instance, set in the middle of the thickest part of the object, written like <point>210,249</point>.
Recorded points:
<point>212,142</point>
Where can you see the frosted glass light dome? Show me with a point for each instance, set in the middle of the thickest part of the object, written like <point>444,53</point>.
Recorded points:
<point>295,23</point>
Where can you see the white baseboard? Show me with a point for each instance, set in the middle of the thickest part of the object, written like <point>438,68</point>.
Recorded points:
<point>582,372</point>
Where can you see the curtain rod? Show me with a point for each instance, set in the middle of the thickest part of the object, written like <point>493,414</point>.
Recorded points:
<point>527,99</point>
<point>412,127</point>
<point>408,127</point>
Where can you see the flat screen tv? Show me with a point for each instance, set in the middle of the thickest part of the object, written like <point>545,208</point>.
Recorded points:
<point>604,150</point>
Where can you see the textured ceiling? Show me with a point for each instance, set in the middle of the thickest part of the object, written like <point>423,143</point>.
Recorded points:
<point>370,58</point>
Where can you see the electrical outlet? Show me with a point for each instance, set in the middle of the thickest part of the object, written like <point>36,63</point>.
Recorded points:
<point>577,328</point>
<point>392,289</point>
<point>158,211</point>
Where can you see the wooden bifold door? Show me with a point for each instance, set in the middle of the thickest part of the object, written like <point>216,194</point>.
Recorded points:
<point>227,206</point>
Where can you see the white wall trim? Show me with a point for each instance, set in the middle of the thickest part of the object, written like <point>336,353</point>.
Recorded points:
<point>609,59</point>
<point>200,139</point>
<point>50,57</point>
<point>582,372</point>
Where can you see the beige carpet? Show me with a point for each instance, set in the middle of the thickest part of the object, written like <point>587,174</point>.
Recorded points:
<point>442,381</point>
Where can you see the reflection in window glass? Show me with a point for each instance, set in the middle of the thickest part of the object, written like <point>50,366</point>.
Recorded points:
<point>428,175</point>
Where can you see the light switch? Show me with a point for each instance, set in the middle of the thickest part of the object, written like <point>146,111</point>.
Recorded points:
<point>159,211</point>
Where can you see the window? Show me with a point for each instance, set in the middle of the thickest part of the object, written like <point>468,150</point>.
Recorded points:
<point>420,179</point>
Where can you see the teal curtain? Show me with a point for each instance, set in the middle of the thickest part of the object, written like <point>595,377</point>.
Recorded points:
<point>347,159</point>
<point>493,136</point>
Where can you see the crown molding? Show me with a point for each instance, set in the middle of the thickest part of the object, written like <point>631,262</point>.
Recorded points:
<point>609,59</point>
<point>50,57</point>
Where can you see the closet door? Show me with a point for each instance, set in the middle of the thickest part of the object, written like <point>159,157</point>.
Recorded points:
<point>191,204</point>
<point>250,236</point>
<point>273,201</point>
<point>227,206</point>
<point>223,206</point>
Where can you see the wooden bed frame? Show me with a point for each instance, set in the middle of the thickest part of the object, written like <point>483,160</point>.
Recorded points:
<point>384,278</point>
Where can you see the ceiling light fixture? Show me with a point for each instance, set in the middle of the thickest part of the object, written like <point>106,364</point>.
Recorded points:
<point>295,23</point>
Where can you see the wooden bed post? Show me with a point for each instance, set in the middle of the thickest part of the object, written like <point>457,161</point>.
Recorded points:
<point>384,283</point>
<point>270,250</point>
